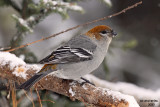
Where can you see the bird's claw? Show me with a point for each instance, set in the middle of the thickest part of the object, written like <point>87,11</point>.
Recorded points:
<point>86,81</point>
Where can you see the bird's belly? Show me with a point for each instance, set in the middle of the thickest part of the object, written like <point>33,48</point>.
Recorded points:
<point>77,70</point>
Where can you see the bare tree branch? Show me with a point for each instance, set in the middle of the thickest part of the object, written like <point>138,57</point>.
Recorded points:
<point>139,93</point>
<point>81,25</point>
<point>13,68</point>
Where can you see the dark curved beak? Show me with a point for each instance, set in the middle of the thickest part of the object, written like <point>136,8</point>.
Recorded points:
<point>114,33</point>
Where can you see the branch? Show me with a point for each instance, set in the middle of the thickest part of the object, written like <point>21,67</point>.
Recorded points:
<point>13,4</point>
<point>139,93</point>
<point>81,25</point>
<point>13,68</point>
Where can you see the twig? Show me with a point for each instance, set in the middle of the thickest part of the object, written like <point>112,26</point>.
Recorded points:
<point>84,24</point>
<point>32,97</point>
<point>4,48</point>
<point>29,98</point>
<point>39,99</point>
<point>13,4</point>
<point>14,101</point>
<point>49,101</point>
<point>20,99</point>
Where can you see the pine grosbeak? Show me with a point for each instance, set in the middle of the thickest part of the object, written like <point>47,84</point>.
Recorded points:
<point>78,57</point>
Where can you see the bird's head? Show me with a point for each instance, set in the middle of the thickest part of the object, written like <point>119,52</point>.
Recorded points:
<point>101,32</point>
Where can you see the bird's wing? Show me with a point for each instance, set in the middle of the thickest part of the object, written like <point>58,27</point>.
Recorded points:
<point>71,52</point>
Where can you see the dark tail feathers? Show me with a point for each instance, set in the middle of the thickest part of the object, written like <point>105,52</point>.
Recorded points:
<point>29,83</point>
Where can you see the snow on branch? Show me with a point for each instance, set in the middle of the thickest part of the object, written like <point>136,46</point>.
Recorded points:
<point>13,68</point>
<point>59,5</point>
<point>23,23</point>
<point>142,95</point>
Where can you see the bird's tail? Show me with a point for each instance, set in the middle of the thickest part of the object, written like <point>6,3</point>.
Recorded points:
<point>42,73</point>
<point>29,83</point>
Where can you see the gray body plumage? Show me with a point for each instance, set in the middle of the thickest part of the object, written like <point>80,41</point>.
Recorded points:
<point>82,41</point>
<point>78,57</point>
<point>80,68</point>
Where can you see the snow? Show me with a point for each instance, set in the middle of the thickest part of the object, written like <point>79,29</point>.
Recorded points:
<point>75,7</point>
<point>126,88</point>
<point>22,57</point>
<point>130,99</point>
<point>18,66</point>
<point>22,22</point>
<point>71,91</point>
<point>72,84</point>
<point>84,86</point>
<point>46,1</point>
<point>117,95</point>
<point>14,61</point>
<point>108,2</point>
<point>66,5</point>
<point>59,9</point>
<point>31,19</point>
<point>20,72</point>
<point>25,24</point>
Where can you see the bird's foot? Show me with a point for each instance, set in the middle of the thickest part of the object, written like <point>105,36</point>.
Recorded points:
<point>86,81</point>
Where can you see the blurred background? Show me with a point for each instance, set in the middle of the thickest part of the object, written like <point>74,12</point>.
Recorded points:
<point>134,55</point>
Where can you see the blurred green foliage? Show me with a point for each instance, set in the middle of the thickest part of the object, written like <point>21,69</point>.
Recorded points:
<point>130,44</point>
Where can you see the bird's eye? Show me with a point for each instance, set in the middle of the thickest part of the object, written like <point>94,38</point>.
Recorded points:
<point>103,32</point>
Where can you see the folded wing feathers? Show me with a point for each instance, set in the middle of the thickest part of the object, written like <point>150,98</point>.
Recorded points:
<point>81,52</point>
<point>66,54</point>
<point>66,51</point>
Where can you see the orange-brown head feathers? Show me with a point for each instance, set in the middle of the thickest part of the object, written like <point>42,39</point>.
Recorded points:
<point>99,32</point>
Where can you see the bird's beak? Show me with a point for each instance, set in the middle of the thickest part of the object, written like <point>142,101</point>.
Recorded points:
<point>114,33</point>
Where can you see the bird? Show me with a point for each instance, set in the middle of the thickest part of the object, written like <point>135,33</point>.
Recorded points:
<point>81,55</point>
